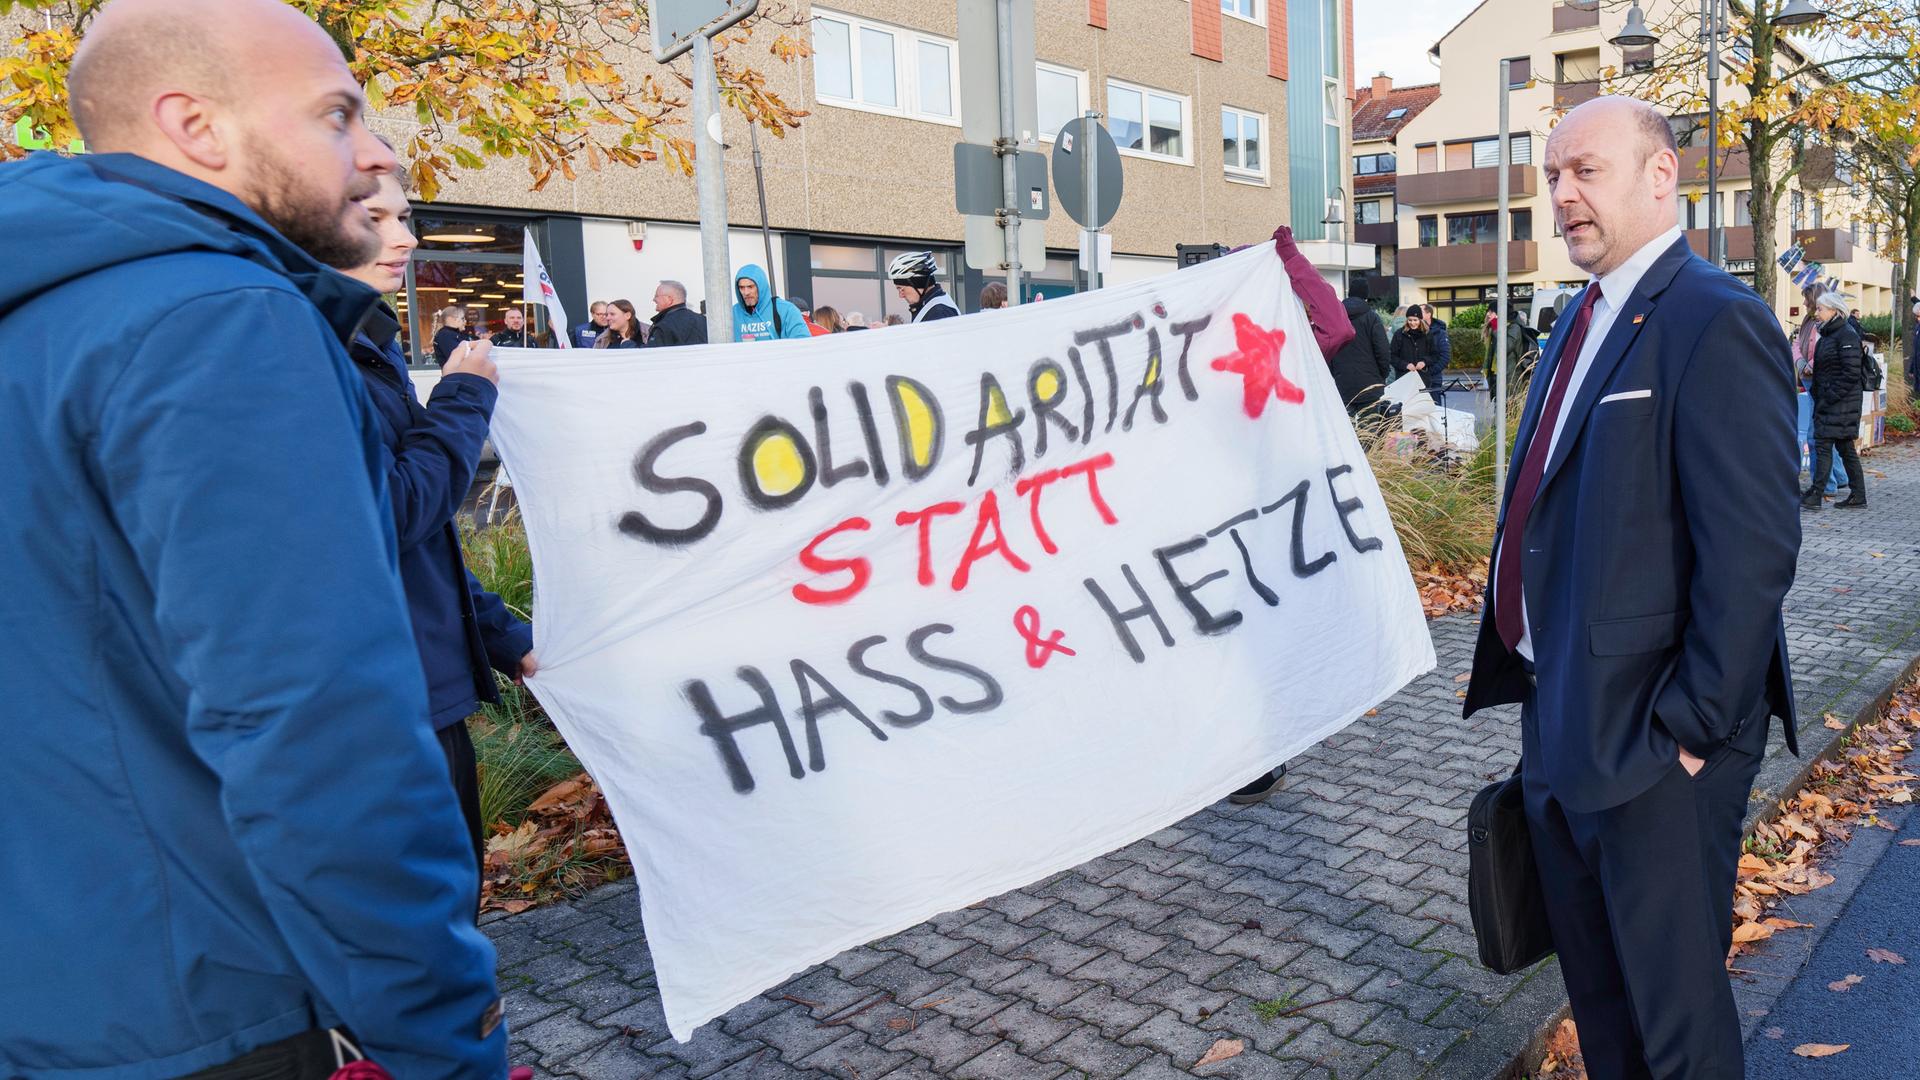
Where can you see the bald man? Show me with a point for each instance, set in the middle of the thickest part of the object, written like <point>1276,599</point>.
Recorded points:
<point>1648,536</point>
<point>232,841</point>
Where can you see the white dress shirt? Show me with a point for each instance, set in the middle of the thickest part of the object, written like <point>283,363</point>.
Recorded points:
<point>1615,287</point>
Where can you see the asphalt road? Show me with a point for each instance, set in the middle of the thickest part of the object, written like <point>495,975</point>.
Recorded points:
<point>1878,1017</point>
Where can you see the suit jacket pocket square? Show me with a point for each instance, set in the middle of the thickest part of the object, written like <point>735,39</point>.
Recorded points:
<point>1627,395</point>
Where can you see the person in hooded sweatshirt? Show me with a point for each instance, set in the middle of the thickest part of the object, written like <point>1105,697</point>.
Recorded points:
<point>758,315</point>
<point>231,836</point>
<point>463,632</point>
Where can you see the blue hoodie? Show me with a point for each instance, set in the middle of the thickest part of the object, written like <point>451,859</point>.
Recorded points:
<point>228,819</point>
<point>758,324</point>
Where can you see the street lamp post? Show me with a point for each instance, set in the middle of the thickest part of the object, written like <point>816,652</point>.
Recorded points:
<point>1501,227</point>
<point>1337,215</point>
<point>1713,27</point>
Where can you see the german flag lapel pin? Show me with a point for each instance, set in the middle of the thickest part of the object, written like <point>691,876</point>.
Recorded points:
<point>1638,319</point>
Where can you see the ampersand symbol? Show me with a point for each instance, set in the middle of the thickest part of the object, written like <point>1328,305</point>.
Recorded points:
<point>1026,622</point>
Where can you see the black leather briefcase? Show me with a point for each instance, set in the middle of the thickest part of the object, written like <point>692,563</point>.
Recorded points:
<point>1503,885</point>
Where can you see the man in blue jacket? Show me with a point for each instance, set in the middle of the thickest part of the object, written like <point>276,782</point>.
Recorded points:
<point>758,315</point>
<point>430,452</point>
<point>230,832</point>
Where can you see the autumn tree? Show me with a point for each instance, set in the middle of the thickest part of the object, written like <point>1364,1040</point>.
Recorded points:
<point>1785,94</point>
<point>1882,157</point>
<point>559,83</point>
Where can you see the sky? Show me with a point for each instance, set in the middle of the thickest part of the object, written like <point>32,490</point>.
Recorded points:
<point>1393,36</point>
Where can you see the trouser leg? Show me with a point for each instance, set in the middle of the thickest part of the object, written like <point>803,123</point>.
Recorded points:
<point>1850,458</point>
<point>1822,466</point>
<point>464,770</point>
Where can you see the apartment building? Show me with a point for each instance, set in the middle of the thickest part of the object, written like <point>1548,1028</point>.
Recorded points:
<point>1446,187</point>
<point>1380,111</point>
<point>1231,120</point>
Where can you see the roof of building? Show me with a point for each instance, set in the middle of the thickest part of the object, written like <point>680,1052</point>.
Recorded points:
<point>1376,184</point>
<point>1381,117</point>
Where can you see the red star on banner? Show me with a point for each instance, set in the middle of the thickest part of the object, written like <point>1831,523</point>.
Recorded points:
<point>1258,363</point>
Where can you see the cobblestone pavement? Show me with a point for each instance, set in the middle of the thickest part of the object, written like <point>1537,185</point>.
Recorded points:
<point>1338,905</point>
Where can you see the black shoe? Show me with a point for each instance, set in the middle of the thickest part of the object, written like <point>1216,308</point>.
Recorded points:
<point>1812,502</point>
<point>1857,500</point>
<point>1260,789</point>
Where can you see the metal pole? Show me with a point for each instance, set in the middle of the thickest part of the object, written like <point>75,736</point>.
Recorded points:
<point>760,182</point>
<point>1346,240</point>
<point>1090,150</point>
<point>1717,218</point>
<point>1499,342</point>
<point>1008,146</point>
<point>710,179</point>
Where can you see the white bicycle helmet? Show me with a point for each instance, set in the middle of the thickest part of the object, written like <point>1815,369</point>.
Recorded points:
<point>911,267</point>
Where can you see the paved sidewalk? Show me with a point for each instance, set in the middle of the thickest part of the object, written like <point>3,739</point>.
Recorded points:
<point>1347,888</point>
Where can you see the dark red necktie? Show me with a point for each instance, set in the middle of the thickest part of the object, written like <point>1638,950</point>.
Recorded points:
<point>1507,600</point>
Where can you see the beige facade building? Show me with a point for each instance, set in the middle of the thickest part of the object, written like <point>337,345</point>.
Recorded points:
<point>1232,120</point>
<point>1444,200</point>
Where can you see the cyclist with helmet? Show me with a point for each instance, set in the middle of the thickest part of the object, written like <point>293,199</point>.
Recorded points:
<point>912,276</point>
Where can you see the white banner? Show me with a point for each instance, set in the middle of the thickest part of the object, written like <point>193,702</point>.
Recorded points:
<point>859,629</point>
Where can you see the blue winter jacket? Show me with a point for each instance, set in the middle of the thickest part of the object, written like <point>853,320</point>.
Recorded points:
<point>430,453</point>
<point>228,821</point>
<point>760,324</point>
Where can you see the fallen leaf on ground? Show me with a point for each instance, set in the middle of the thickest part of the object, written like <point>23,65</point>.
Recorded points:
<point>1876,554</point>
<point>1463,676</point>
<point>1834,722</point>
<point>1752,864</point>
<point>1775,1033</point>
<point>1885,956</point>
<point>1752,931</point>
<point>899,1023</point>
<point>1841,986</point>
<point>1820,1049</point>
<point>515,842</point>
<point>1221,1051</point>
<point>1787,924</point>
<point>1910,843</point>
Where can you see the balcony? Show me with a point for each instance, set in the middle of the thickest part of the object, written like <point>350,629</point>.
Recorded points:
<point>1568,17</point>
<point>1739,242</point>
<point>1567,95</point>
<point>1693,165</point>
<point>1467,260</point>
<point>1465,185</point>
<point>1826,245</point>
<point>1383,233</point>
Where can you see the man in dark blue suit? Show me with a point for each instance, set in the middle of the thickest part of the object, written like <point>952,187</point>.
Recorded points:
<point>1647,537</point>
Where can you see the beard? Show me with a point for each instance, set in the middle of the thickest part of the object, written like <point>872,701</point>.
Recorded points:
<point>335,231</point>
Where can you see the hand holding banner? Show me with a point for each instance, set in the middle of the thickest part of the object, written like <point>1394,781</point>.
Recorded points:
<point>862,628</point>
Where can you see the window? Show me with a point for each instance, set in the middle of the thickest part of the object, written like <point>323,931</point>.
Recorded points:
<point>1426,158</point>
<point>1147,123</point>
<point>1743,208</point>
<point>463,261</point>
<point>1372,164</point>
<point>1486,152</point>
<point>1474,228</point>
<point>1062,95</point>
<point>1369,212</point>
<point>1250,10</point>
<point>1522,225</point>
<point>1853,229</point>
<point>1395,114</point>
<point>858,64</point>
<point>1798,205</point>
<point>1819,213</point>
<point>852,277</point>
<point>1519,72</point>
<point>1429,231</point>
<point>1243,138</point>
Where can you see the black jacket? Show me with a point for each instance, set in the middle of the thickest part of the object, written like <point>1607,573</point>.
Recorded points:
<point>1363,366</point>
<point>1836,381</point>
<point>431,451</point>
<point>934,304</point>
<point>445,340</point>
<point>678,325</point>
<point>517,339</point>
<point>1410,349</point>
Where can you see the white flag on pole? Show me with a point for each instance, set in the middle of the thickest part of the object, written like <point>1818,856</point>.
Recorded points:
<point>537,288</point>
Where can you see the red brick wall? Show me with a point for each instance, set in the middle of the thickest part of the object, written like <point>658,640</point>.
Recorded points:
<point>1097,13</point>
<point>1206,29</point>
<point>1277,38</point>
<point>1346,31</point>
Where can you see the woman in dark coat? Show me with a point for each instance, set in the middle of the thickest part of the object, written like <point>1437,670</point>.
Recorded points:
<point>1836,402</point>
